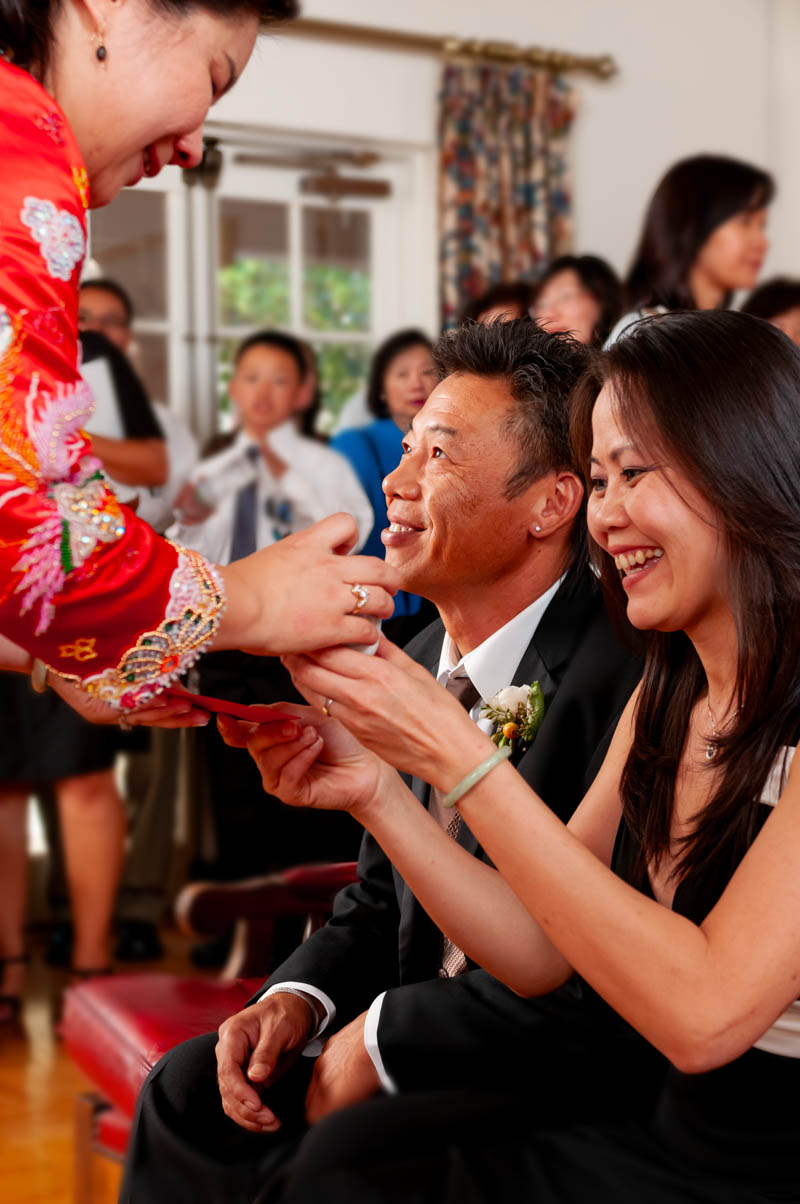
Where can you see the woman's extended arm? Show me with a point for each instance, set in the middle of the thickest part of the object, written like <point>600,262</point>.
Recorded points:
<point>701,993</point>
<point>86,585</point>
<point>467,899</point>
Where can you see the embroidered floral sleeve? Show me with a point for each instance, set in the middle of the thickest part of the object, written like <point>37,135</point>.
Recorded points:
<point>84,584</point>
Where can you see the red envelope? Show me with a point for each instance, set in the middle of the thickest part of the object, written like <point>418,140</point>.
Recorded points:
<point>258,713</point>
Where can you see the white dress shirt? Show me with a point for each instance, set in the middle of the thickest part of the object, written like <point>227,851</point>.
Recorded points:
<point>317,482</point>
<point>490,666</point>
<point>155,503</point>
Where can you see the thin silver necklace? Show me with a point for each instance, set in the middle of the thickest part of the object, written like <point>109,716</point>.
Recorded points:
<point>712,745</point>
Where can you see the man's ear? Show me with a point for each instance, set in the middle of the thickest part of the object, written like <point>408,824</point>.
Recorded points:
<point>557,504</point>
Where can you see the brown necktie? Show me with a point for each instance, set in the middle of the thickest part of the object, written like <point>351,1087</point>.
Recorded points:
<point>461,687</point>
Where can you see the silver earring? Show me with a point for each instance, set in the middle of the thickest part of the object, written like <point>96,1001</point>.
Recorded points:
<point>537,528</point>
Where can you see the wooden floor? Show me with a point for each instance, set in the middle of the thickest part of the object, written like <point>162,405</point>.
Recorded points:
<point>38,1085</point>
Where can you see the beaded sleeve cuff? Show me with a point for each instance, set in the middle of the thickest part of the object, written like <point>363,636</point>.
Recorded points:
<point>160,657</point>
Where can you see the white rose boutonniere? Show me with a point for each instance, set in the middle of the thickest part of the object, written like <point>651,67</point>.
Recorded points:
<point>517,713</point>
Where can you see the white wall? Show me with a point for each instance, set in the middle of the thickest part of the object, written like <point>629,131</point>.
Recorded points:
<point>694,75</point>
<point>784,107</point>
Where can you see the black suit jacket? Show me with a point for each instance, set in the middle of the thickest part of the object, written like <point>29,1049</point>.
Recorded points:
<point>380,939</point>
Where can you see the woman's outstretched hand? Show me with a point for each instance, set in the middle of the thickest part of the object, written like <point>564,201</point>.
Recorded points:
<point>160,712</point>
<point>394,707</point>
<point>297,594</point>
<point>311,761</point>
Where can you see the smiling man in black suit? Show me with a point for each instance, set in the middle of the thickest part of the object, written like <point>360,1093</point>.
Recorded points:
<point>486,519</point>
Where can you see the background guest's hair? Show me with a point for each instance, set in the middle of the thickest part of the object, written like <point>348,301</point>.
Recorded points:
<point>694,197</point>
<point>599,279</point>
<point>516,294</point>
<point>716,394</point>
<point>116,290</point>
<point>772,298</point>
<point>279,340</point>
<point>402,340</point>
<point>27,28</point>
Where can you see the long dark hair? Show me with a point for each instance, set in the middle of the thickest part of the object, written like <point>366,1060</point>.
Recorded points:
<point>599,279</point>
<point>716,394</point>
<point>382,357</point>
<point>27,28</point>
<point>694,197</point>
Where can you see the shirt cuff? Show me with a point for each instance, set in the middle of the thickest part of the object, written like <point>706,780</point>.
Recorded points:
<point>371,1044</point>
<point>314,1047</point>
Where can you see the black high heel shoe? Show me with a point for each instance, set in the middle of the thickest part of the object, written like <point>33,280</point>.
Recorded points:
<point>11,1005</point>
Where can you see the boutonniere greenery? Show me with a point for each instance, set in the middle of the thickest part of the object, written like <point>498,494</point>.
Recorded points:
<point>517,713</point>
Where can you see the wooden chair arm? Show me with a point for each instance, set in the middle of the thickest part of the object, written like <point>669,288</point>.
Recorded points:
<point>251,907</point>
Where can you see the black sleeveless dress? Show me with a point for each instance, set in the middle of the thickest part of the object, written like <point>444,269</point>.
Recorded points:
<point>728,1136</point>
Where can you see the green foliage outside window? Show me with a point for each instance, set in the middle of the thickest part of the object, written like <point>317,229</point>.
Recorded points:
<point>254,291</point>
<point>343,371</point>
<point>336,298</point>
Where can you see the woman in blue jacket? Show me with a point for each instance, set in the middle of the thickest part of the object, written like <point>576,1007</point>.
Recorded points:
<point>402,375</point>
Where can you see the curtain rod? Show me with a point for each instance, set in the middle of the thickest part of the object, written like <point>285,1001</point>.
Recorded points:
<point>601,66</point>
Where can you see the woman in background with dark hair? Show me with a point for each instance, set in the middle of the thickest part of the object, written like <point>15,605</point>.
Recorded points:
<point>703,238</point>
<point>580,294</point>
<point>401,377</point>
<point>504,301</point>
<point>777,301</point>
<point>674,890</point>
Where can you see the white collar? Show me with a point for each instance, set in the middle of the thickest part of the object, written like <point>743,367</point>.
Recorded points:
<point>492,665</point>
<point>281,437</point>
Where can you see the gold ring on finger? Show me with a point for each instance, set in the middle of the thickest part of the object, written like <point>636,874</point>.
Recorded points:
<point>326,710</point>
<point>361,595</point>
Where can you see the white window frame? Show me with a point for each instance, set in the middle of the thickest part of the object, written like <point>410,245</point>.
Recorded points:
<point>403,253</point>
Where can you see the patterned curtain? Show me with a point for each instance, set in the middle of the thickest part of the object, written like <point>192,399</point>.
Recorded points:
<point>504,197</point>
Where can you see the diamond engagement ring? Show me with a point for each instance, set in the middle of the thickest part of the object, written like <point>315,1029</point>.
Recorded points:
<point>326,710</point>
<point>361,594</point>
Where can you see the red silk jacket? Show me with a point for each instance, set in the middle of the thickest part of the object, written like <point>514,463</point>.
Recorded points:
<point>84,584</point>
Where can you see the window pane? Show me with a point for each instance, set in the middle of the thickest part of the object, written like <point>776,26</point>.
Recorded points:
<point>342,372</point>
<point>150,358</point>
<point>253,275</point>
<point>226,413</point>
<point>337,293</point>
<point>128,243</point>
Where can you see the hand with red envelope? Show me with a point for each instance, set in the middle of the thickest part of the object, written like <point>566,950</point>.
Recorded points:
<point>316,595</point>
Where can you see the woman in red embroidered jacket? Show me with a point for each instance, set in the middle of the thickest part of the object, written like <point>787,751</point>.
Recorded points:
<point>94,94</point>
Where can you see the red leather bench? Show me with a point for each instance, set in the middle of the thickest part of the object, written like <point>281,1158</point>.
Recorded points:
<point>115,1029</point>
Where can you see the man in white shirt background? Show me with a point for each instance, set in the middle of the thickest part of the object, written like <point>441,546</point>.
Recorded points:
<point>485,519</point>
<point>288,480</point>
<point>265,482</point>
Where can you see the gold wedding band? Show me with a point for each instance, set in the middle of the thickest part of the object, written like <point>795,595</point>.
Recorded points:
<point>326,710</point>
<point>361,594</point>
